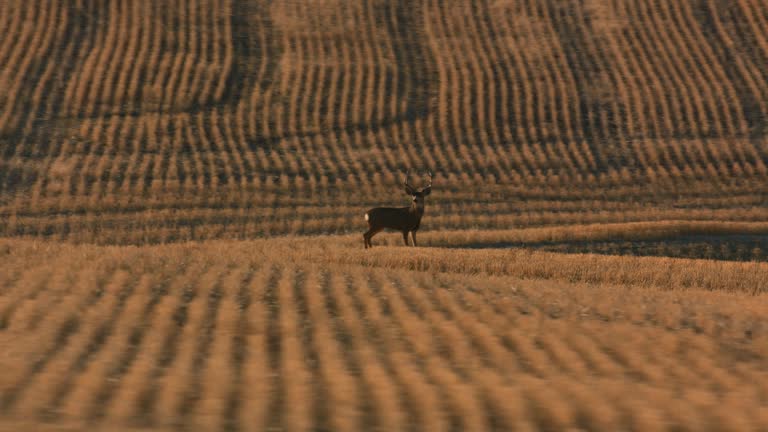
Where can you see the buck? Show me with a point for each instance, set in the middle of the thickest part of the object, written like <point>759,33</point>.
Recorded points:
<point>403,219</point>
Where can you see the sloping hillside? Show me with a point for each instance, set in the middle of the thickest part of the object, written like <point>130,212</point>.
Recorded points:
<point>142,121</point>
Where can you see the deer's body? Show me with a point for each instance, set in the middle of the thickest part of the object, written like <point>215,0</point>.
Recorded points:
<point>403,219</point>
<point>396,218</point>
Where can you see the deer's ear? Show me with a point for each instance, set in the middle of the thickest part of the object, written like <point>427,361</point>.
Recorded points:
<point>409,190</point>
<point>426,190</point>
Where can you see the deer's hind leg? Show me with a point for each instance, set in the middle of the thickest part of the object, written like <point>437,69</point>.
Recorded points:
<point>369,235</point>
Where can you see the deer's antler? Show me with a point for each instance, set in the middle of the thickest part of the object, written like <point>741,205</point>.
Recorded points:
<point>408,188</point>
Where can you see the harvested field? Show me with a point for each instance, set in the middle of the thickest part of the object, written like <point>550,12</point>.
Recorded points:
<point>134,122</point>
<point>183,185</point>
<point>273,335</point>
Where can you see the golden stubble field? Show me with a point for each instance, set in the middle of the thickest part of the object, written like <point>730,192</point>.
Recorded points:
<point>183,183</point>
<point>150,122</point>
<point>287,334</point>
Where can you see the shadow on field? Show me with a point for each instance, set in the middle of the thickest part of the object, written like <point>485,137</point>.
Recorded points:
<point>725,247</point>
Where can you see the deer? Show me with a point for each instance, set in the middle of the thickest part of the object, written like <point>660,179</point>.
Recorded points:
<point>403,219</point>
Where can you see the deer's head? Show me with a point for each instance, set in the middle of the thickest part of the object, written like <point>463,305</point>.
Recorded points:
<point>418,195</point>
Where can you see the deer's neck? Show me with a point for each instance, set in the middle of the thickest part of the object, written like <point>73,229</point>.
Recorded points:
<point>416,209</point>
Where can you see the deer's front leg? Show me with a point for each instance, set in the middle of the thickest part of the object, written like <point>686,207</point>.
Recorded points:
<point>405,237</point>
<point>413,236</point>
